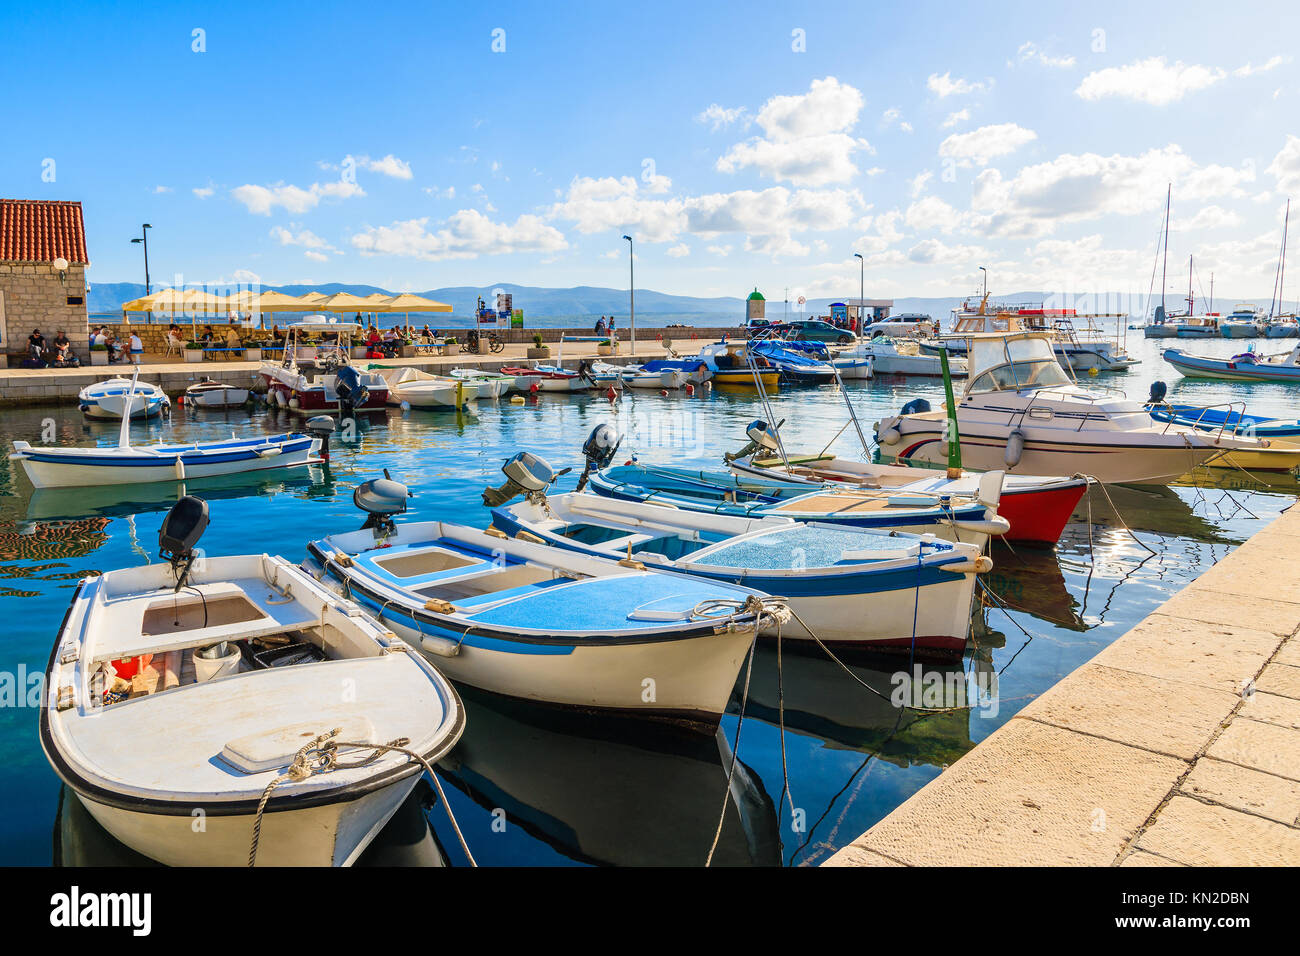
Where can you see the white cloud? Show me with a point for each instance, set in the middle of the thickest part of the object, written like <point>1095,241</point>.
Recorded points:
<point>304,237</point>
<point>894,115</point>
<point>986,143</point>
<point>1152,81</point>
<point>390,165</point>
<point>1075,188</point>
<point>158,190</point>
<point>717,116</point>
<point>679,250</point>
<point>316,256</point>
<point>1249,69</point>
<point>932,251</point>
<point>805,137</point>
<point>1208,217</point>
<point>203,192</point>
<point>1285,167</point>
<point>466,234</point>
<point>931,212</point>
<point>1030,51</point>
<point>720,251</point>
<point>954,118</point>
<point>436,193</point>
<point>916,185</point>
<point>945,86</point>
<point>261,200</point>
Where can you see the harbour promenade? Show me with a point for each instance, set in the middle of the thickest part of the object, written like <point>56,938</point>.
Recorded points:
<point>1177,745</point>
<point>20,386</point>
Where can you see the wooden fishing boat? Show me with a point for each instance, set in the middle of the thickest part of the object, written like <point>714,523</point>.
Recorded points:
<point>416,389</point>
<point>180,692</point>
<point>112,397</point>
<point>485,384</point>
<point>529,621</point>
<point>212,394</point>
<point>548,378</point>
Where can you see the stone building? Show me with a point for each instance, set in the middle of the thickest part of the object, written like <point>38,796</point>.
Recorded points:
<point>755,305</point>
<point>42,274</point>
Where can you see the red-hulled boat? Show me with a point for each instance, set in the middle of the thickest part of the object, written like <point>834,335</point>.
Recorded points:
<point>308,378</point>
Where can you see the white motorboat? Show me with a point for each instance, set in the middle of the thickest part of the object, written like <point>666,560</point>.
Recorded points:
<point>111,398</point>
<point>1084,351</point>
<point>486,384</point>
<point>889,356</point>
<point>1021,411</point>
<point>1246,321</point>
<point>52,466</point>
<point>184,693</point>
<point>636,376</point>
<point>549,378</point>
<point>529,621</point>
<point>411,387</point>
<point>212,394</point>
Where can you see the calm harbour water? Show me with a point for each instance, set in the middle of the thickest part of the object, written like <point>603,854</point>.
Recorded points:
<point>570,789</point>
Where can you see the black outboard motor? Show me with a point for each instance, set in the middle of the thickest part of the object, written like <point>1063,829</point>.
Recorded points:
<point>322,427</point>
<point>599,449</point>
<point>180,532</point>
<point>1158,391</point>
<point>762,437</point>
<point>352,394</point>
<point>915,407</point>
<point>526,474</point>
<point>584,372</point>
<point>380,499</point>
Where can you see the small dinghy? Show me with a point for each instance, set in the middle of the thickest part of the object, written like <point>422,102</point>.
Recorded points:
<point>210,394</point>
<point>534,622</point>
<point>1245,367</point>
<point>485,384</point>
<point>111,397</point>
<point>49,466</point>
<point>847,585</point>
<point>549,378</point>
<point>637,376</point>
<point>1229,420</point>
<point>195,708</point>
<point>410,386</point>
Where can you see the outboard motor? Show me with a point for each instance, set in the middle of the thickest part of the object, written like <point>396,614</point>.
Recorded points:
<point>915,407</point>
<point>380,499</point>
<point>762,437</point>
<point>1157,394</point>
<point>599,449</point>
<point>584,372</point>
<point>352,394</point>
<point>322,427</point>
<point>180,532</point>
<point>526,474</point>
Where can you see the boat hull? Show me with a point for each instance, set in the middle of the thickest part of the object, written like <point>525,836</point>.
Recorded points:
<point>112,407</point>
<point>744,378</point>
<point>1200,366</point>
<point>333,834</point>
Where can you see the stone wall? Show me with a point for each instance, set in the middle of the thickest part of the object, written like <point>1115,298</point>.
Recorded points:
<point>35,298</point>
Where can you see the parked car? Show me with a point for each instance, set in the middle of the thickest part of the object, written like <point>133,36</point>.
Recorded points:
<point>811,330</point>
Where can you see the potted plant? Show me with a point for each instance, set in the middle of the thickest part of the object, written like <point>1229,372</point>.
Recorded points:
<point>447,345</point>
<point>539,350</point>
<point>194,351</point>
<point>605,348</point>
<point>253,351</point>
<point>99,355</point>
<point>407,349</point>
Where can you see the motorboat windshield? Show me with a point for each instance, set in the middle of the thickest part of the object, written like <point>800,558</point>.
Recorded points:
<point>1013,362</point>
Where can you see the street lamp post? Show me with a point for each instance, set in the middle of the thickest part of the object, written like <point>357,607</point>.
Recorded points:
<point>144,238</point>
<point>631,296</point>
<point>986,281</point>
<point>862,288</point>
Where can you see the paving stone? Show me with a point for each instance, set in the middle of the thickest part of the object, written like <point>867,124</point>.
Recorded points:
<point>1280,679</point>
<point>1288,653</point>
<point>1241,788</point>
<point>1218,656</point>
<point>1142,858</point>
<point>1253,568</point>
<point>1201,603</point>
<point>1169,717</point>
<point>1267,747</point>
<point>853,855</point>
<point>1030,794</point>
<point>1198,834</point>
<point>1272,709</point>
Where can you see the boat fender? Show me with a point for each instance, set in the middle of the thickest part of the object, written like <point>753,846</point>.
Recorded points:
<point>981,565</point>
<point>440,646</point>
<point>528,536</point>
<point>889,436</point>
<point>180,469</point>
<point>343,560</point>
<point>632,563</point>
<point>990,526</point>
<point>268,452</point>
<point>1015,448</point>
<point>517,400</point>
<point>439,606</point>
<point>494,531</point>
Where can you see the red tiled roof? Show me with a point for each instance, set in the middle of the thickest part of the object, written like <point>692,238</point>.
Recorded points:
<point>41,230</point>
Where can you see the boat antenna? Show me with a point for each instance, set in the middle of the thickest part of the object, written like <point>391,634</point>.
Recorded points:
<point>767,407</point>
<point>866,448</point>
<point>124,436</point>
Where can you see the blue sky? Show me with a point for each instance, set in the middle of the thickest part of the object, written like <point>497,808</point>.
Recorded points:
<point>742,144</point>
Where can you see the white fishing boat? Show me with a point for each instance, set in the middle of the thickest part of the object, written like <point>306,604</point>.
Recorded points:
<point>1021,411</point>
<point>847,585</point>
<point>486,384</point>
<point>111,398</point>
<point>411,387</point>
<point>889,356</point>
<point>529,621</point>
<point>549,378</point>
<point>212,394</point>
<point>636,376</point>
<point>52,466</point>
<point>194,707</point>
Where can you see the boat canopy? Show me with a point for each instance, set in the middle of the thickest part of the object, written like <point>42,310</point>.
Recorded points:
<point>1012,362</point>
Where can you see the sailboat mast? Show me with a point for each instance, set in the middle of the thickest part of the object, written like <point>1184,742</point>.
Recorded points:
<point>1190,307</point>
<point>1281,272</point>
<point>1164,268</point>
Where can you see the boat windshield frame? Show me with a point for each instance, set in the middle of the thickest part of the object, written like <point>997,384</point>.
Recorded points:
<point>1033,367</point>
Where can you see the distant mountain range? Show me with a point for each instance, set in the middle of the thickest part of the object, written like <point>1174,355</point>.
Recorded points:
<point>583,303</point>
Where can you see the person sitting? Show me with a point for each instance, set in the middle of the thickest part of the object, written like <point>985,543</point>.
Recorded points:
<point>115,349</point>
<point>207,335</point>
<point>36,343</point>
<point>232,341</point>
<point>137,347</point>
<point>63,356</point>
<point>175,340</point>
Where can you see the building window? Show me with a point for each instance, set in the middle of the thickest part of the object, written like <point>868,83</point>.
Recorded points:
<point>76,300</point>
